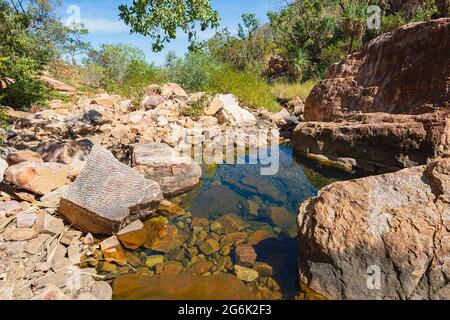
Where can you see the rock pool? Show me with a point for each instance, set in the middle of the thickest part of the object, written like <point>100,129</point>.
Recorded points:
<point>238,222</point>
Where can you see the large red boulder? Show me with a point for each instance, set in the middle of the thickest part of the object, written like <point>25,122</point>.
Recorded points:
<point>385,107</point>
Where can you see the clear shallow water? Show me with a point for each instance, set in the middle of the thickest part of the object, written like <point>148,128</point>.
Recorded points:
<point>242,190</point>
<point>259,205</point>
<point>227,188</point>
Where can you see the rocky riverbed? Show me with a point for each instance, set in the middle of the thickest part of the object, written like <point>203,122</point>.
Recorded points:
<point>85,200</point>
<point>104,198</point>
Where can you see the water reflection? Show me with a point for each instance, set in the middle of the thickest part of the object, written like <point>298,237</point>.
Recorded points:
<point>234,207</point>
<point>265,202</point>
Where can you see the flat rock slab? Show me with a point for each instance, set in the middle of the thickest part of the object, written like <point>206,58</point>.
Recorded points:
<point>105,193</point>
<point>175,174</point>
<point>188,287</point>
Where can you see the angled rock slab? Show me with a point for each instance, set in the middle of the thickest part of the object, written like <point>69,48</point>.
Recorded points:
<point>232,113</point>
<point>157,161</point>
<point>105,193</point>
<point>40,178</point>
<point>380,237</point>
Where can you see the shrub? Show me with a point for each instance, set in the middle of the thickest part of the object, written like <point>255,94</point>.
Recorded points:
<point>120,69</point>
<point>23,54</point>
<point>251,89</point>
<point>201,72</point>
<point>196,108</point>
<point>287,91</point>
<point>26,90</point>
<point>138,76</point>
<point>190,72</point>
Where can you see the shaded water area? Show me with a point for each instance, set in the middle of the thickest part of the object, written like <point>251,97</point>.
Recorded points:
<point>242,190</point>
<point>260,210</point>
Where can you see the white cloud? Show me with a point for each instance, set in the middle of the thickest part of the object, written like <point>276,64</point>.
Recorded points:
<point>100,25</point>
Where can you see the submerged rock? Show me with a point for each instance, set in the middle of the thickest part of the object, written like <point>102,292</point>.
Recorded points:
<point>216,200</point>
<point>245,255</point>
<point>232,223</point>
<point>188,287</point>
<point>112,251</point>
<point>152,261</point>
<point>200,267</point>
<point>381,237</point>
<point>133,235</point>
<point>246,274</point>
<point>105,193</point>
<point>209,247</point>
<point>283,219</point>
<point>157,161</point>
<point>170,240</point>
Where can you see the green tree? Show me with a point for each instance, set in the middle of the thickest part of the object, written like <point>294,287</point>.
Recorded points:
<point>191,72</point>
<point>160,19</point>
<point>300,64</point>
<point>74,45</point>
<point>115,60</point>
<point>121,69</point>
<point>353,20</point>
<point>27,43</point>
<point>307,25</point>
<point>248,50</point>
<point>249,26</point>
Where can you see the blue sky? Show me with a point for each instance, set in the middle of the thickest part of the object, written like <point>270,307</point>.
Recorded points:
<point>101,18</point>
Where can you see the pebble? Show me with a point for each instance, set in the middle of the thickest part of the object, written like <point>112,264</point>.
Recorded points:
<point>102,290</point>
<point>209,247</point>
<point>88,239</point>
<point>36,245</point>
<point>46,223</point>
<point>246,274</point>
<point>71,236</point>
<point>9,206</point>
<point>20,234</point>
<point>25,220</point>
<point>152,261</point>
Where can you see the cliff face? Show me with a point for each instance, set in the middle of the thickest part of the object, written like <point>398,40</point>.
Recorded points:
<point>382,109</point>
<point>386,107</point>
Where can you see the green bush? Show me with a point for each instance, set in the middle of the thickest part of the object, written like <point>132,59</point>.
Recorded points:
<point>192,71</point>
<point>286,91</point>
<point>251,89</point>
<point>201,72</point>
<point>138,76</point>
<point>23,54</point>
<point>120,69</point>
<point>26,90</point>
